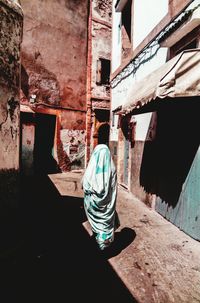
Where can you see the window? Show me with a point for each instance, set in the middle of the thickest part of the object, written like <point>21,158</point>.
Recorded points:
<point>102,115</point>
<point>103,71</point>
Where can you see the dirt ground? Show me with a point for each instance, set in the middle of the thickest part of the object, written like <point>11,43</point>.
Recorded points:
<point>156,261</point>
<point>161,264</point>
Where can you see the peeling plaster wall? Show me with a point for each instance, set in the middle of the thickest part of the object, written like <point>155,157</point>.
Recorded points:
<point>11,23</point>
<point>101,48</point>
<point>54,62</point>
<point>73,142</point>
<point>54,50</point>
<point>101,42</point>
<point>102,9</point>
<point>11,26</point>
<point>11,33</point>
<point>71,145</point>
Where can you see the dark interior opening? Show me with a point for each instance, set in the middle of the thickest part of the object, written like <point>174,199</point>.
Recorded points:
<point>44,161</point>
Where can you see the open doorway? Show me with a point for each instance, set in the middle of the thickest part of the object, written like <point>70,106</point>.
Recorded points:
<point>44,161</point>
<point>37,144</point>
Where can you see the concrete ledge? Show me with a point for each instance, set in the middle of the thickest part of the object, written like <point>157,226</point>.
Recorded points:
<point>68,184</point>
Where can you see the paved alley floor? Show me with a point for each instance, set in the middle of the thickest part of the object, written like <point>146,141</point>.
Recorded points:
<point>151,260</point>
<point>161,264</point>
<point>154,259</point>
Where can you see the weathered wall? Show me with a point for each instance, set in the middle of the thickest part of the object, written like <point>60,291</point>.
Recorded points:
<point>54,57</point>
<point>54,50</point>
<point>103,9</point>
<point>11,23</point>
<point>101,48</point>
<point>71,151</point>
<point>99,54</point>
<point>11,34</point>
<point>28,131</point>
<point>101,42</point>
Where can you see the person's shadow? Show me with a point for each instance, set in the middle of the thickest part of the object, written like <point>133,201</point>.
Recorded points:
<point>123,239</point>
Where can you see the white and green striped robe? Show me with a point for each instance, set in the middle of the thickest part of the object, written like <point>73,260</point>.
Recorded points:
<point>100,192</point>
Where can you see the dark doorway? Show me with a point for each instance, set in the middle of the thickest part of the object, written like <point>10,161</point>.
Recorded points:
<point>27,137</point>
<point>44,161</point>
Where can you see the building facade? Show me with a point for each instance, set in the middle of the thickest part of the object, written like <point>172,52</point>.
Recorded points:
<point>53,86</point>
<point>99,58</point>
<point>65,72</point>
<point>155,92</point>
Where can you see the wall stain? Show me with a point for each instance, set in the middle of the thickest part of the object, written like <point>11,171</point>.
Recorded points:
<point>12,106</point>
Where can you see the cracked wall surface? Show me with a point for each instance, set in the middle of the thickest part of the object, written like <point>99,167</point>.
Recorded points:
<point>54,51</point>
<point>11,23</point>
<point>54,67</point>
<point>10,27</point>
<point>102,9</point>
<point>101,48</point>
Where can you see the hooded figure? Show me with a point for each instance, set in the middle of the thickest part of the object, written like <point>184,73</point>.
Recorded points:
<point>100,192</point>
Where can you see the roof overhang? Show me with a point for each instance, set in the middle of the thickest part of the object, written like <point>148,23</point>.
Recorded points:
<point>178,77</point>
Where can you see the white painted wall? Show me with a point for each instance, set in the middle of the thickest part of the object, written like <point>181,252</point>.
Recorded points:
<point>123,89</point>
<point>121,92</point>
<point>147,14</point>
<point>116,39</point>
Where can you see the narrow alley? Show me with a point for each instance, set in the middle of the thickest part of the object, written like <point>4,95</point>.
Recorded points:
<point>69,72</point>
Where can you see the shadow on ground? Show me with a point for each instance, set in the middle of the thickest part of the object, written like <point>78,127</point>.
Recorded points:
<point>56,259</point>
<point>123,238</point>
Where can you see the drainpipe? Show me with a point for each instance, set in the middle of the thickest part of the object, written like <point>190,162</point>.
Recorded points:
<point>88,85</point>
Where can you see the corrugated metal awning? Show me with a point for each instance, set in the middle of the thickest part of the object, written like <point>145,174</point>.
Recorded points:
<point>179,77</point>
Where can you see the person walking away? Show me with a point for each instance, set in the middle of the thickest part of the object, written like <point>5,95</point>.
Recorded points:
<point>100,191</point>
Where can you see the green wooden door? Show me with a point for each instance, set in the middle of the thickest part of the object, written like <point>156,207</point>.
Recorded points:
<point>190,200</point>
<point>178,166</point>
<point>186,213</point>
